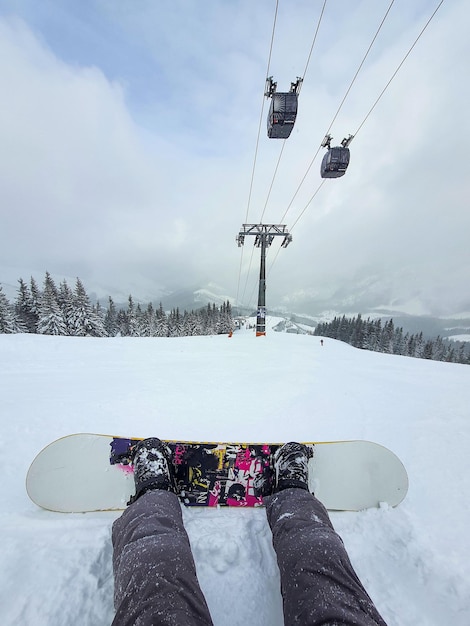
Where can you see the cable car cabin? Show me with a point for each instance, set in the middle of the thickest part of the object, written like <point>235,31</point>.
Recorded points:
<point>282,114</point>
<point>335,162</point>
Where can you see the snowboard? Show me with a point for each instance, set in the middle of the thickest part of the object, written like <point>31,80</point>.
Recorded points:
<point>89,472</point>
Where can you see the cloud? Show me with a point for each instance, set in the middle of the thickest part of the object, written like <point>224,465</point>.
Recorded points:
<point>80,185</point>
<point>127,147</point>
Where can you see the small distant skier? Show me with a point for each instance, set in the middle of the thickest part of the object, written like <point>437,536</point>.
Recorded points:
<point>155,580</point>
<point>321,342</point>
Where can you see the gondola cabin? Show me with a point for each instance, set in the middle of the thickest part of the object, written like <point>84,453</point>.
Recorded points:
<point>335,162</point>
<point>282,115</point>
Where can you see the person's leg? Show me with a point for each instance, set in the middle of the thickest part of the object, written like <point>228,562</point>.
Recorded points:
<point>155,582</point>
<point>318,583</point>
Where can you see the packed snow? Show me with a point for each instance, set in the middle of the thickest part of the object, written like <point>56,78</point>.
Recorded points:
<point>414,559</point>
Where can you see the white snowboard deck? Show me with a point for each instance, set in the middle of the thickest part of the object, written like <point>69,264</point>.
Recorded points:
<point>73,475</point>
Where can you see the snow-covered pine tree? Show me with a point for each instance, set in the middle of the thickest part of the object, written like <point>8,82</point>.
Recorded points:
<point>24,309</point>
<point>427,349</point>
<point>450,354</point>
<point>151,316</point>
<point>51,319</point>
<point>8,322</point>
<point>98,320</point>
<point>193,324</point>
<point>161,322</point>
<point>132,325</point>
<point>139,316</point>
<point>375,332</point>
<point>226,317</point>
<point>205,321</point>
<point>343,332</point>
<point>398,341</point>
<point>216,318</point>
<point>35,296</point>
<point>148,322</point>
<point>82,322</point>
<point>461,356</point>
<point>386,338</point>
<point>175,323</point>
<point>212,320</point>
<point>439,349</point>
<point>110,319</point>
<point>357,337</point>
<point>65,299</point>
<point>419,345</point>
<point>410,345</point>
<point>122,324</point>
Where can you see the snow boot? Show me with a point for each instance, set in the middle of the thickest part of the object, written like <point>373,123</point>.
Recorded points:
<point>153,468</point>
<point>291,466</point>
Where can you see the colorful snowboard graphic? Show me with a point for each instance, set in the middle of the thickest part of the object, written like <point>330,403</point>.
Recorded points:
<point>88,472</point>
<point>210,474</point>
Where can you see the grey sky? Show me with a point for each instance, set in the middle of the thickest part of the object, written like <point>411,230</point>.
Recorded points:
<point>128,133</point>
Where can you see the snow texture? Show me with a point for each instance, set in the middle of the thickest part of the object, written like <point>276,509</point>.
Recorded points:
<point>413,560</point>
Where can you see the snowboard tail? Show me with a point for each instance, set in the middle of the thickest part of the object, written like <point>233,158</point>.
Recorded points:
<point>88,472</point>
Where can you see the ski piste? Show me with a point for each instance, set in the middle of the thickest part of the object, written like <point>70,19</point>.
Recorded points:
<point>91,472</point>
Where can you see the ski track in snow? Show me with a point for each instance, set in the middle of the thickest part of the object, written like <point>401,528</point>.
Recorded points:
<point>414,560</point>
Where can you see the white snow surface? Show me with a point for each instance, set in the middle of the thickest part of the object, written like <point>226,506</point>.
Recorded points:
<point>414,560</point>
<point>459,337</point>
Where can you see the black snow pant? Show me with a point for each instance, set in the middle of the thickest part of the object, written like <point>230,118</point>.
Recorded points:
<point>155,582</point>
<point>318,583</point>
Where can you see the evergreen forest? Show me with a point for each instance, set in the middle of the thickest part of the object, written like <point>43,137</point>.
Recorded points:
<point>378,337</point>
<point>60,310</point>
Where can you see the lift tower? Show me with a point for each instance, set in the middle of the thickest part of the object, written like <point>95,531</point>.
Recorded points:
<point>264,235</point>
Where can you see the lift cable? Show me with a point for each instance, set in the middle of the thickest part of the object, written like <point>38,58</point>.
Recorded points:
<point>261,117</point>
<point>256,149</point>
<point>331,124</point>
<point>309,202</point>
<point>360,66</point>
<point>272,181</point>
<point>399,67</point>
<point>284,141</point>
<point>363,121</point>
<point>313,44</point>
<point>377,100</point>
<point>339,108</point>
<point>299,89</point>
<point>248,275</point>
<point>298,218</point>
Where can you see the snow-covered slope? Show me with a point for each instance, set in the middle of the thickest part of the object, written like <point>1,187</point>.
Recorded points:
<point>414,560</point>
